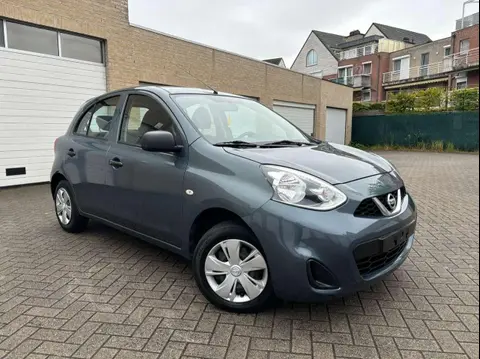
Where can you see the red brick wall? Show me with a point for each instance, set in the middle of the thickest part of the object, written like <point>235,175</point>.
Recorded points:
<point>469,33</point>
<point>380,62</point>
<point>472,79</point>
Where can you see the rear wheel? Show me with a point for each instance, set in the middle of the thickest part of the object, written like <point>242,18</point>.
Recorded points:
<point>231,269</point>
<point>66,209</point>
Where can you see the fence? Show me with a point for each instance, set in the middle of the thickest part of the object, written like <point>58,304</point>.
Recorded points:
<point>409,130</point>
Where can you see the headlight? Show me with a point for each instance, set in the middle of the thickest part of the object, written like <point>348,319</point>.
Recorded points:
<point>302,190</point>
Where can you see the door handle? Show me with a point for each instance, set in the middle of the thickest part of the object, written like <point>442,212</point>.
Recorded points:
<point>71,152</point>
<point>115,162</point>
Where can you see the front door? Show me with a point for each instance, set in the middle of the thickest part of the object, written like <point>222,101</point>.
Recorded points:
<point>145,189</point>
<point>85,157</point>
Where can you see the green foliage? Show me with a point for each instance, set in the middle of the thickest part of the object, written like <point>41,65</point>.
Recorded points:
<point>465,99</point>
<point>429,99</point>
<point>401,102</point>
<point>368,106</point>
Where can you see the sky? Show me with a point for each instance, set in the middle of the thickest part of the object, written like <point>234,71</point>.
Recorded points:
<point>265,29</point>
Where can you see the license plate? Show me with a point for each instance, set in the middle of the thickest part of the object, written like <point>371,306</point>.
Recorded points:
<point>395,240</point>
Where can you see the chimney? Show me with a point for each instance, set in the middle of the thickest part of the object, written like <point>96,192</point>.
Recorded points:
<point>354,35</point>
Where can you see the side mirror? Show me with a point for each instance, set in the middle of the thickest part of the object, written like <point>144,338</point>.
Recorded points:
<point>159,141</point>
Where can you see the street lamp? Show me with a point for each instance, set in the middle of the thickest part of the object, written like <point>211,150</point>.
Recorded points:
<point>463,11</point>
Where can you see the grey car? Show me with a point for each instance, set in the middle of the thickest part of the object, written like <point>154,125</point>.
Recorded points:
<point>260,208</point>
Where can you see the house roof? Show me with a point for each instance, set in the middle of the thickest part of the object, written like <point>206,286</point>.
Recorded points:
<point>365,40</point>
<point>330,40</point>
<point>395,33</point>
<point>276,61</point>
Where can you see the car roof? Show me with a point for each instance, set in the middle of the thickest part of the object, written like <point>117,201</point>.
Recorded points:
<point>174,90</point>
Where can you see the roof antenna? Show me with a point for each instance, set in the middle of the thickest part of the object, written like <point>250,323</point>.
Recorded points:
<point>215,92</point>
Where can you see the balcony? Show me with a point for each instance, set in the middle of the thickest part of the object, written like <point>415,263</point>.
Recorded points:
<point>355,81</point>
<point>458,61</point>
<point>358,52</point>
<point>465,59</point>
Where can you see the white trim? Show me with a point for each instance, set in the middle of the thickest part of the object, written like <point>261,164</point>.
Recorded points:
<point>369,91</point>
<point>5,32</point>
<point>344,67</point>
<point>366,62</point>
<point>294,104</point>
<point>59,44</point>
<point>53,57</point>
<point>447,46</point>
<point>401,57</point>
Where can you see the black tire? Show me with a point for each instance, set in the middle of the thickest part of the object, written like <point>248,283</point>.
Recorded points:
<point>215,235</point>
<point>77,222</point>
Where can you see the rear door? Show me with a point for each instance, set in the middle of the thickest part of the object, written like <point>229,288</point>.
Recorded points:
<point>85,158</point>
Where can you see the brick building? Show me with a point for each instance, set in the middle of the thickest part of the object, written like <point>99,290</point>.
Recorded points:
<point>55,55</point>
<point>465,44</point>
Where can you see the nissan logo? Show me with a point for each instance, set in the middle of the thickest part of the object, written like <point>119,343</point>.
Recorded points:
<point>391,201</point>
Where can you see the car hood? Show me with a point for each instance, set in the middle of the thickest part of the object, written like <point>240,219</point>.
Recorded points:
<point>333,163</point>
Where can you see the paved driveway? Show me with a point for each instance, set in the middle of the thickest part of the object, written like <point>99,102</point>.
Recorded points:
<point>102,294</point>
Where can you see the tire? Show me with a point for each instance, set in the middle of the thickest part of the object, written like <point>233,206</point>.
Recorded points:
<point>218,241</point>
<point>70,220</point>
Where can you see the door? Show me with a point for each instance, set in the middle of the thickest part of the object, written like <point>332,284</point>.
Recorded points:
<point>39,97</point>
<point>145,189</point>
<point>405,68</point>
<point>85,158</point>
<point>301,115</point>
<point>336,125</point>
<point>425,60</point>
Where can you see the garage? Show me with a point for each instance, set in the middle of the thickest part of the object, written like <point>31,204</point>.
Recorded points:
<point>336,125</point>
<point>301,115</point>
<point>45,76</point>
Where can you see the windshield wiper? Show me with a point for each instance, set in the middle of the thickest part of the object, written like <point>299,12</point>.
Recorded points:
<point>286,142</point>
<point>235,144</point>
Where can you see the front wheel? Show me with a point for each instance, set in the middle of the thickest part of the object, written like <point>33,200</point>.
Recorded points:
<point>66,209</point>
<point>231,270</point>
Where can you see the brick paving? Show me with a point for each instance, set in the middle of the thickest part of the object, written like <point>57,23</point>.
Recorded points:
<point>103,294</point>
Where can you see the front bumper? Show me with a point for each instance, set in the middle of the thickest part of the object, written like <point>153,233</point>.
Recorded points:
<point>292,236</point>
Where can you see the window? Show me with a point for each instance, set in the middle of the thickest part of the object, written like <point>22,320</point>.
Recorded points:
<point>360,51</point>
<point>464,46</point>
<point>425,60</point>
<point>2,35</point>
<point>366,95</point>
<point>397,65</point>
<point>368,50</point>
<point>462,83</point>
<point>29,38</point>
<point>143,114</point>
<point>447,50</point>
<point>235,119</point>
<point>81,48</point>
<point>97,120</point>
<point>367,68</point>
<point>82,125</point>
<point>312,58</point>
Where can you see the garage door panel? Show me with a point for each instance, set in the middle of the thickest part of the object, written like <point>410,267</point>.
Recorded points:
<point>47,88</point>
<point>39,96</point>
<point>336,125</point>
<point>301,115</point>
<point>70,81</point>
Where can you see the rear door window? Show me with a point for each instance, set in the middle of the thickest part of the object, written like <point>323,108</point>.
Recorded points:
<point>96,122</point>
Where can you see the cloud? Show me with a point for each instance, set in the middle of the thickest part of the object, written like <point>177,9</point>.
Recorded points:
<point>278,28</point>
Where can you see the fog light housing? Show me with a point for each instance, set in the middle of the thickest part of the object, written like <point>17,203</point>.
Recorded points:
<point>320,276</point>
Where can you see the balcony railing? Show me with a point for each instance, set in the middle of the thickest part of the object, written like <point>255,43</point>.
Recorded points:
<point>456,61</point>
<point>358,51</point>
<point>360,80</point>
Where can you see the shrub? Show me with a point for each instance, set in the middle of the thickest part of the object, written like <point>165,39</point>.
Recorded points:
<point>465,99</point>
<point>401,102</point>
<point>429,99</point>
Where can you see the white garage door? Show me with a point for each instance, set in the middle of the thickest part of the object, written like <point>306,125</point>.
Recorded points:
<point>336,125</point>
<point>301,115</point>
<point>39,95</point>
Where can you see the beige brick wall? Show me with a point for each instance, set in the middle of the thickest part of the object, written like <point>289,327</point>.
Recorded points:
<point>134,55</point>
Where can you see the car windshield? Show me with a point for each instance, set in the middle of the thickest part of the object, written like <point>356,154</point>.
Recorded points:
<point>224,119</point>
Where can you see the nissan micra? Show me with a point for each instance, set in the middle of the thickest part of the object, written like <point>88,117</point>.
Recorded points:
<point>259,207</point>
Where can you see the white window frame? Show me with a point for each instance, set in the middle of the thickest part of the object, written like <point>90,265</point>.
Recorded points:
<point>313,53</point>
<point>369,91</point>
<point>445,49</point>
<point>464,52</point>
<point>363,67</point>
<point>462,80</point>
